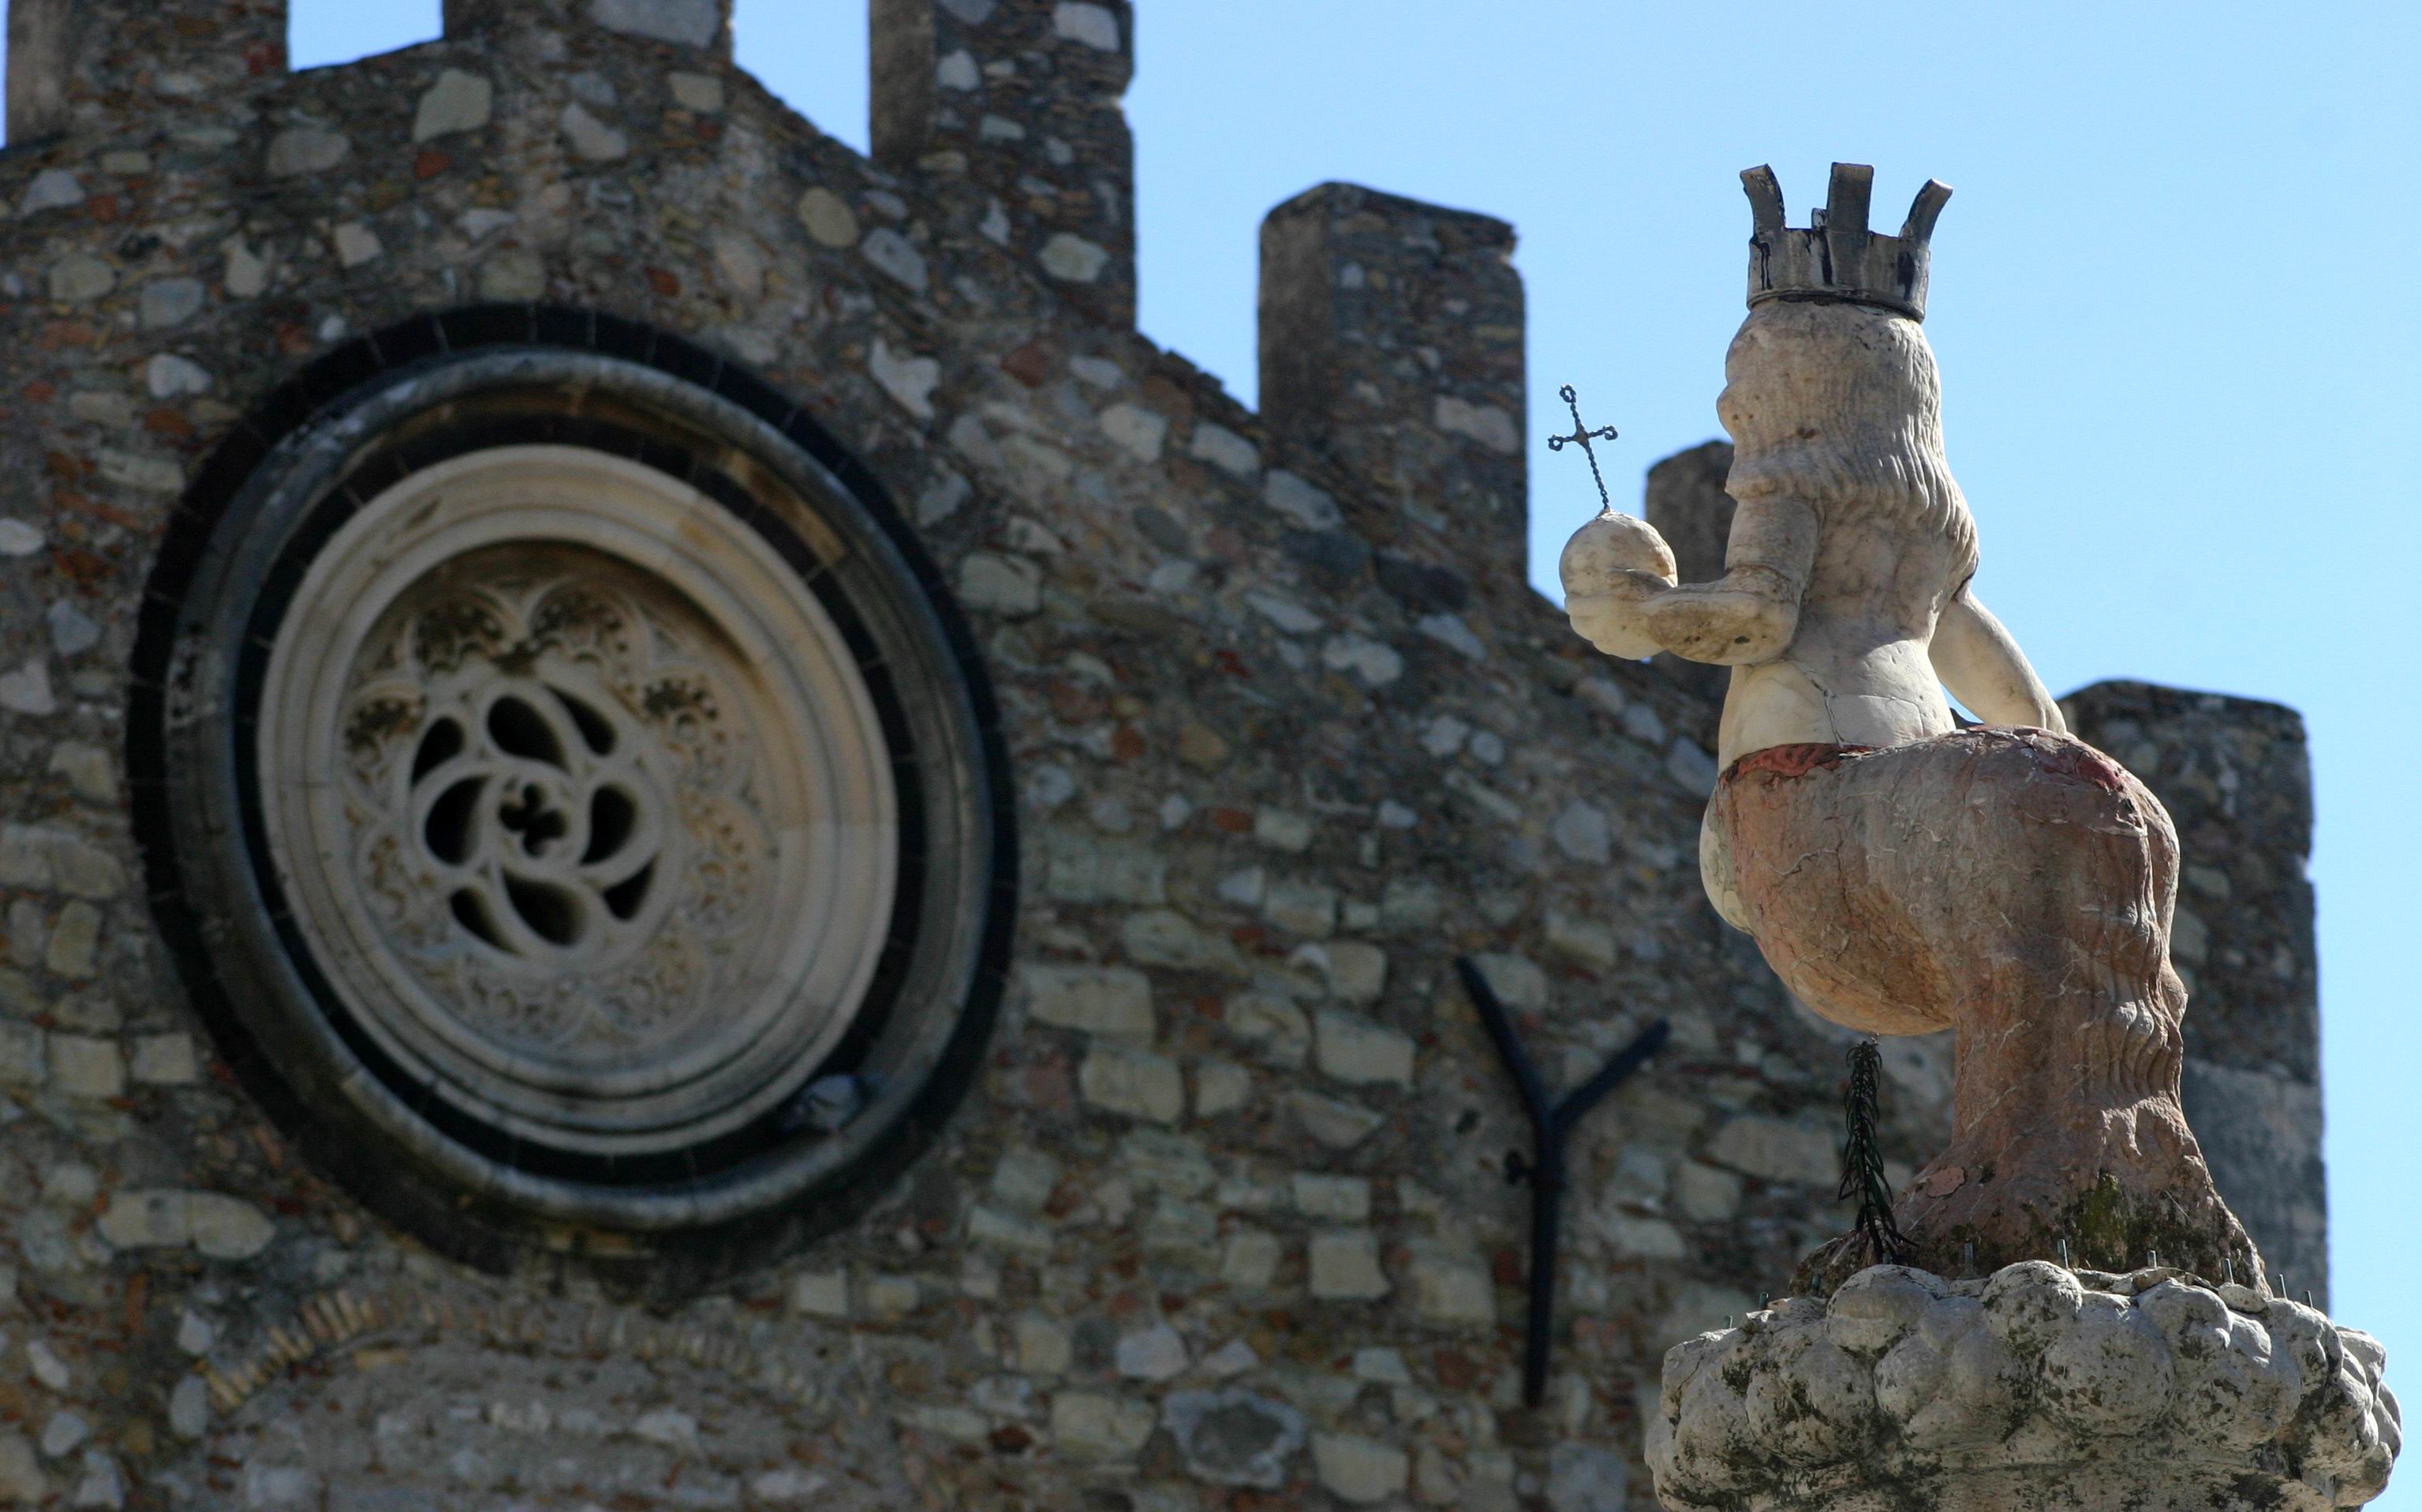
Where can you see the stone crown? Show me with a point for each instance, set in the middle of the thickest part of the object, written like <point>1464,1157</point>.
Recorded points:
<point>1838,257</point>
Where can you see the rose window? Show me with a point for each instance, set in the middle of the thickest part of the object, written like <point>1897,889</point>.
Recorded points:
<point>615,830</point>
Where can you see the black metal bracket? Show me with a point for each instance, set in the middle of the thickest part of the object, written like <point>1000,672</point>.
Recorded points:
<point>1544,1173</point>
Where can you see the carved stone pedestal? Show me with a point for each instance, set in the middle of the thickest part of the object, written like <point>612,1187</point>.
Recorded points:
<point>2037,1388</point>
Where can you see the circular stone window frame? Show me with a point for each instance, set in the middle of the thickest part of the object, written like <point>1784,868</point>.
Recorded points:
<point>370,417</point>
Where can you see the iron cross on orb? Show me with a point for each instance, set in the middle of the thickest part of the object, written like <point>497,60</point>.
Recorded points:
<point>1581,436</point>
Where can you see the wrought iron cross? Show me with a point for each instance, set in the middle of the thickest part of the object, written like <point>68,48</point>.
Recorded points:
<point>1582,437</point>
<point>1551,1124</point>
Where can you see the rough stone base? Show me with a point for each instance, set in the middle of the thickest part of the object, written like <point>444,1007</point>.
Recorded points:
<point>2036,1388</point>
<point>2091,1488</point>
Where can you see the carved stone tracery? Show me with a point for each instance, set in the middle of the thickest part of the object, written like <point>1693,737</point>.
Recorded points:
<point>553,807</point>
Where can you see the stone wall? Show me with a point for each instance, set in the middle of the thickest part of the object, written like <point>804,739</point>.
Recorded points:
<point>1223,1222</point>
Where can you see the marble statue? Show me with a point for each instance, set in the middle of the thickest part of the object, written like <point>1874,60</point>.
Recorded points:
<point>1903,872</point>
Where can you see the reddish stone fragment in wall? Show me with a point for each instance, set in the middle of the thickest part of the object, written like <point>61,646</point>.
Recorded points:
<point>1030,363</point>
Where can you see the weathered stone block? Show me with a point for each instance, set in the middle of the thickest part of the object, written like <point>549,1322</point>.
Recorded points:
<point>1705,1193</point>
<point>1333,1121</point>
<point>165,1060</point>
<point>820,1293</point>
<point>1338,1198</point>
<point>301,149</point>
<point>1360,1470</point>
<point>458,102</point>
<point>1154,1355</point>
<point>1344,1266</point>
<point>1134,1082</point>
<point>1090,868</point>
<point>22,1479</point>
<point>1163,1162</point>
<point>84,1066</point>
<point>1450,1289</point>
<point>1355,970</point>
<point>25,1058</point>
<point>1250,1258</point>
<point>1163,937</point>
<point>1517,981</point>
<point>220,1227</point>
<point>690,23</point>
<point>1220,1087</point>
<point>1099,999</point>
<point>1280,1031</point>
<point>1009,1231</point>
<point>1042,1343</point>
<point>1094,1425</point>
<point>1353,1048</point>
<point>889,1298</point>
<point>1778,1149</point>
<point>1307,908</point>
<point>44,859</point>
<point>76,941</point>
<point>827,218</point>
<point>1586,940</point>
<point>1234,1438</point>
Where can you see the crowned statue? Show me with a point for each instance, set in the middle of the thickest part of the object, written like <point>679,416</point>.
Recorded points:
<point>1901,870</point>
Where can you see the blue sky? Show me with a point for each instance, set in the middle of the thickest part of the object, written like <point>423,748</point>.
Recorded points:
<point>2177,336</point>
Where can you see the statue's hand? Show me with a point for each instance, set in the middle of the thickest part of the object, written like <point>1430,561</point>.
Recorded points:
<point>1612,618</point>
<point>1612,567</point>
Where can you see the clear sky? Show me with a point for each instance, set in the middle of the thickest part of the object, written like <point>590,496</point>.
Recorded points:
<point>2177,343</point>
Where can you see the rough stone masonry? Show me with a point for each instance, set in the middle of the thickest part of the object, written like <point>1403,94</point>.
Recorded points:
<point>1221,1222</point>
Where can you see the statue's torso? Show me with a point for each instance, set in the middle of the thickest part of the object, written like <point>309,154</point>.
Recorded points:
<point>1857,671</point>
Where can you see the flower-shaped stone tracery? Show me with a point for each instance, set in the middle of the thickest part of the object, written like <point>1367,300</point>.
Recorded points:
<point>552,805</point>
